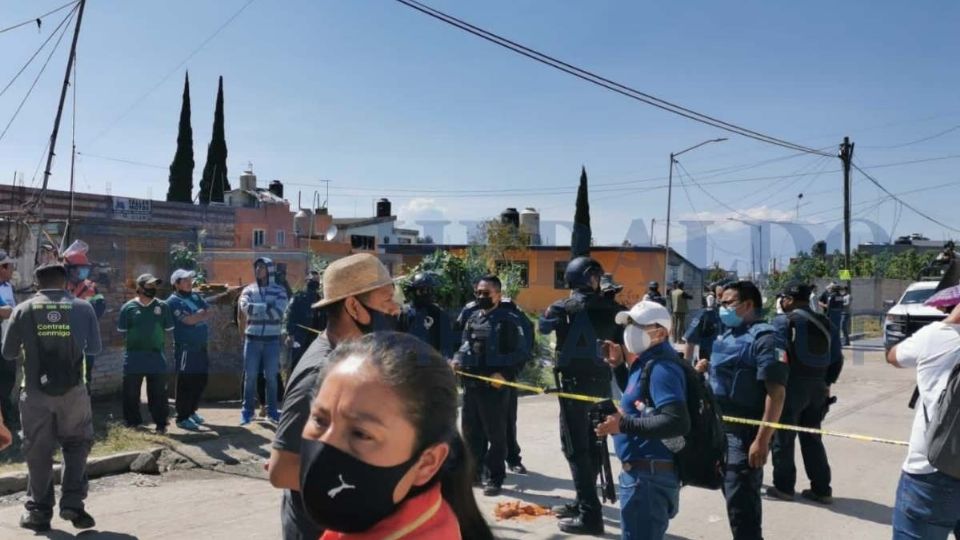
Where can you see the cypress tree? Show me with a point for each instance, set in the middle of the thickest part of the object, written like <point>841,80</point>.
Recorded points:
<point>580,238</point>
<point>181,169</point>
<point>214,181</point>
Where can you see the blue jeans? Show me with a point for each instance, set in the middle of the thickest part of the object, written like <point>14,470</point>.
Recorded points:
<point>648,501</point>
<point>260,356</point>
<point>927,508</point>
<point>741,486</point>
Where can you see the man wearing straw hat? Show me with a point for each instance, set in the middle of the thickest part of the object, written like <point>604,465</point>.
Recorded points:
<point>358,299</point>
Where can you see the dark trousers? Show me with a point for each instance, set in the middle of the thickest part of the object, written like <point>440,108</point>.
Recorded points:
<point>484,426</point>
<point>192,368</point>
<point>156,398</point>
<point>804,405</point>
<point>741,486</point>
<point>8,380</point>
<point>88,370</point>
<point>845,327</point>
<point>679,324</point>
<point>576,440</point>
<point>513,447</point>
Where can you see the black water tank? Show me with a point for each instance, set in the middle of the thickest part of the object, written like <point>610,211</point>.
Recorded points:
<point>276,187</point>
<point>383,208</point>
<point>510,216</point>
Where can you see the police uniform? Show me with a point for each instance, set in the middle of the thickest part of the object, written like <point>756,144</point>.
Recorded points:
<point>431,324</point>
<point>743,360</point>
<point>492,342</point>
<point>579,322</point>
<point>52,330</point>
<point>815,359</point>
<point>703,331</point>
<point>299,314</point>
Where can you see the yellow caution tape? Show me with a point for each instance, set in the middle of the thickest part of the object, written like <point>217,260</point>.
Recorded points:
<point>729,419</point>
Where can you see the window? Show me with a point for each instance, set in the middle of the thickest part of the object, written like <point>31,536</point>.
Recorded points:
<point>524,267</point>
<point>358,241</point>
<point>559,269</point>
<point>258,236</point>
<point>281,238</point>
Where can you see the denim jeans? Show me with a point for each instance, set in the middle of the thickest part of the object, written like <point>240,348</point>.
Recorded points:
<point>648,501</point>
<point>741,486</point>
<point>927,508</point>
<point>260,356</point>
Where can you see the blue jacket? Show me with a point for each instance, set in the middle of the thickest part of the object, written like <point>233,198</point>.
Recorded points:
<point>742,361</point>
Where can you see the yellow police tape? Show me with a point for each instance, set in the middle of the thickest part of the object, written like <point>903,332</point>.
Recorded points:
<point>729,419</point>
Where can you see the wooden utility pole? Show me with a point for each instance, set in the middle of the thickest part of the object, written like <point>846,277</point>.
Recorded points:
<point>63,97</point>
<point>846,156</point>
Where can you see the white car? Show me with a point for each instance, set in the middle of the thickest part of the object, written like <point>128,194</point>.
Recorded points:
<point>909,314</point>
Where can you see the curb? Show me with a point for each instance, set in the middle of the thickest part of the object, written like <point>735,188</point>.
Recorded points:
<point>96,468</point>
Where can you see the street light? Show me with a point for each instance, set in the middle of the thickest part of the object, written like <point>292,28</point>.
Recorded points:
<point>666,252</point>
<point>753,256</point>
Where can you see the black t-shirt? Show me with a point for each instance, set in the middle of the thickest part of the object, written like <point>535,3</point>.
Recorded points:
<point>298,395</point>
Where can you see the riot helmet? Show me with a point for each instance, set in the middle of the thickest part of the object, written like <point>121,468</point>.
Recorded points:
<point>580,273</point>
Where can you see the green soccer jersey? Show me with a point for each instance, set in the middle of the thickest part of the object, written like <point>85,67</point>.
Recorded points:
<point>145,325</point>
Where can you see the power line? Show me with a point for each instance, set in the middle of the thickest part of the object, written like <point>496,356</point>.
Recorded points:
<point>40,17</point>
<point>164,79</point>
<point>901,201</point>
<point>924,139</point>
<point>118,160</point>
<point>35,80</point>
<point>35,53</point>
<point>602,81</point>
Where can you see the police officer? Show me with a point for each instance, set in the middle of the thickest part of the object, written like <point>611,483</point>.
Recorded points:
<point>494,346</point>
<point>749,381</point>
<point>653,294</point>
<point>423,318</point>
<point>609,288</point>
<point>580,321</point>
<point>52,330</point>
<point>702,332</point>
<point>815,361</point>
<point>300,315</point>
<point>831,303</point>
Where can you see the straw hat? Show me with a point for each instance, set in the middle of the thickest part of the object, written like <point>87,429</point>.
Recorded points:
<point>352,276</point>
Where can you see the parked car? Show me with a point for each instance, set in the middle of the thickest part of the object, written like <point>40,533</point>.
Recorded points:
<point>909,314</point>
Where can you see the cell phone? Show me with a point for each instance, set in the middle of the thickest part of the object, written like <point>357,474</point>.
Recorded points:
<point>601,351</point>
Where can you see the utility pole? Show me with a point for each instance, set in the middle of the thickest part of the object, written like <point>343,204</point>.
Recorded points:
<point>846,156</point>
<point>63,97</point>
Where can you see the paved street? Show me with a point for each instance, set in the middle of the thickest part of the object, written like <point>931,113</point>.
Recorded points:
<point>236,504</point>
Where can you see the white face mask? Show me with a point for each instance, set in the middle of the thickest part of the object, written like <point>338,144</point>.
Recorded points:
<point>636,339</point>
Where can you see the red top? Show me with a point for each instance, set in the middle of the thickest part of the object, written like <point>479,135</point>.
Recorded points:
<point>424,517</point>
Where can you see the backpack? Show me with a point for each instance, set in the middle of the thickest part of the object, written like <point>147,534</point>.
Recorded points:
<point>943,429</point>
<point>702,460</point>
<point>58,368</point>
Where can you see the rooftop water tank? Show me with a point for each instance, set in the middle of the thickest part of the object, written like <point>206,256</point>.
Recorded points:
<point>530,225</point>
<point>383,208</point>
<point>276,187</point>
<point>302,221</point>
<point>510,216</point>
<point>248,181</point>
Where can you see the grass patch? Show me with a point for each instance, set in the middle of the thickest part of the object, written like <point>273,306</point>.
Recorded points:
<point>870,326</point>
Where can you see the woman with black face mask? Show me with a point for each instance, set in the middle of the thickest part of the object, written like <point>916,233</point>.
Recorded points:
<point>381,456</point>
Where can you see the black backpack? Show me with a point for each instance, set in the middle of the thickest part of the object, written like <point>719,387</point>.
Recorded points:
<point>943,429</point>
<point>60,364</point>
<point>702,460</point>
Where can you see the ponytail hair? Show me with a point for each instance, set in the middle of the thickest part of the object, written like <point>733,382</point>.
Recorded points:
<point>427,387</point>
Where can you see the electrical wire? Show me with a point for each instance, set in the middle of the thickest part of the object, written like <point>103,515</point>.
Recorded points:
<point>35,80</point>
<point>918,141</point>
<point>35,53</point>
<point>40,17</point>
<point>907,205</point>
<point>169,74</point>
<point>602,81</point>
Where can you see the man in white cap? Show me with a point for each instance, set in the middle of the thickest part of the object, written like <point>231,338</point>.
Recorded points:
<point>358,299</point>
<point>653,422</point>
<point>190,336</point>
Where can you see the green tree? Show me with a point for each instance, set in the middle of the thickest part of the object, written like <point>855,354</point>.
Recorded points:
<point>580,239</point>
<point>186,256</point>
<point>181,169</point>
<point>214,181</point>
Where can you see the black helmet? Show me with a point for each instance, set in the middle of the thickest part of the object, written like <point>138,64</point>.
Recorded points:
<point>654,285</point>
<point>579,270</point>
<point>424,280</point>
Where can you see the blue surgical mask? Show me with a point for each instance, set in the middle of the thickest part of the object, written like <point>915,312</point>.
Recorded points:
<point>83,273</point>
<point>729,317</point>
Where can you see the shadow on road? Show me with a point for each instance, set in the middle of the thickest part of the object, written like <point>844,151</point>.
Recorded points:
<point>859,508</point>
<point>88,535</point>
<point>216,443</point>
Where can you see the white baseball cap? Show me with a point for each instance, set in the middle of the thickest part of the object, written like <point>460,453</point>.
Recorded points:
<point>645,313</point>
<point>180,273</point>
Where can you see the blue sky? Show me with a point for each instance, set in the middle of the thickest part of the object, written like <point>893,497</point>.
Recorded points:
<point>385,101</point>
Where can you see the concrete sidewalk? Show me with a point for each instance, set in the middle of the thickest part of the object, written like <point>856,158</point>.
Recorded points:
<point>235,501</point>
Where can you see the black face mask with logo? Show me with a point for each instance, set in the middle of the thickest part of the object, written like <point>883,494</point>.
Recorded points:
<point>342,493</point>
<point>149,293</point>
<point>379,321</point>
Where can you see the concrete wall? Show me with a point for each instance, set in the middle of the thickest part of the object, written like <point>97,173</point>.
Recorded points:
<point>869,294</point>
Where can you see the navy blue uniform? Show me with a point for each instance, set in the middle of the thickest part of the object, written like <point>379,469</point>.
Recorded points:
<point>703,331</point>
<point>815,358</point>
<point>744,359</point>
<point>492,343</point>
<point>300,313</point>
<point>579,322</point>
<point>432,325</point>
